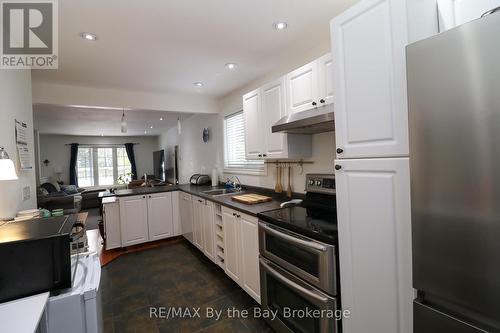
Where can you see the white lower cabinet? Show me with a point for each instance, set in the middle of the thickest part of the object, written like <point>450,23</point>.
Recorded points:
<point>146,218</point>
<point>373,211</point>
<point>111,218</point>
<point>209,230</point>
<point>134,220</point>
<point>232,243</point>
<point>160,216</point>
<point>250,255</point>
<point>198,210</point>
<point>186,216</point>
<point>242,250</point>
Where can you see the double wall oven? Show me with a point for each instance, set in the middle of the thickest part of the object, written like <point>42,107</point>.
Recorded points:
<point>298,261</point>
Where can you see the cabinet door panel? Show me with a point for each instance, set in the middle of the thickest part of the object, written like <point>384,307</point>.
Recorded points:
<point>368,43</point>
<point>254,140</point>
<point>250,256</point>
<point>111,215</point>
<point>186,214</point>
<point>325,73</point>
<point>373,211</point>
<point>160,216</point>
<point>273,109</point>
<point>232,244</point>
<point>302,88</point>
<point>134,220</point>
<point>209,231</point>
<point>198,207</point>
<point>176,217</point>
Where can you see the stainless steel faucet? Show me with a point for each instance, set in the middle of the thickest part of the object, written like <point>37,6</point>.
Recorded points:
<point>236,182</point>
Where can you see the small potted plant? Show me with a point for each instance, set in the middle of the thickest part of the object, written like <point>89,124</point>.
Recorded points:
<point>125,178</point>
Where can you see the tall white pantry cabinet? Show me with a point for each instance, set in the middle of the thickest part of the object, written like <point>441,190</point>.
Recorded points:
<point>372,165</point>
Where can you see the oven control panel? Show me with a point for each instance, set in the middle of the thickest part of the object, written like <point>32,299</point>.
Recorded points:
<point>320,183</point>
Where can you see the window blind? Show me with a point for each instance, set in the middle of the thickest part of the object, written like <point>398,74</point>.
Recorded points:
<point>234,129</point>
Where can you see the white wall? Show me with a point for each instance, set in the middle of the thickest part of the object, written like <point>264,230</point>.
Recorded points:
<point>15,103</point>
<point>197,157</point>
<point>54,149</point>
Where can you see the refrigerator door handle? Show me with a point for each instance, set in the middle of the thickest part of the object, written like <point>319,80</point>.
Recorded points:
<point>491,11</point>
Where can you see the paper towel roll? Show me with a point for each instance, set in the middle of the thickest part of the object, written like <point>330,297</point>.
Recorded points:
<point>215,178</point>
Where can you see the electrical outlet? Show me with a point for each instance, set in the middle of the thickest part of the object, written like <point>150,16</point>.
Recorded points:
<point>26,193</point>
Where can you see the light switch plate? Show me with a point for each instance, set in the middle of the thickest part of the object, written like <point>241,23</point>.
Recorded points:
<point>26,193</point>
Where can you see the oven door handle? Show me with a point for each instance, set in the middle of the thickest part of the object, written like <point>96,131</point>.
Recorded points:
<point>293,285</point>
<point>291,239</point>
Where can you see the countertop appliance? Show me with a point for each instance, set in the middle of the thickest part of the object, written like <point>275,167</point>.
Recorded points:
<point>199,179</point>
<point>35,256</point>
<point>454,109</point>
<point>298,258</point>
<point>316,120</point>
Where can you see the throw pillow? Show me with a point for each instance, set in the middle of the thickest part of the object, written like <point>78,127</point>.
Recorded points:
<point>49,187</point>
<point>69,189</point>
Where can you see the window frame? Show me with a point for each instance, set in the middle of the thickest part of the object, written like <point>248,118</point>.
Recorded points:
<point>95,164</point>
<point>239,170</point>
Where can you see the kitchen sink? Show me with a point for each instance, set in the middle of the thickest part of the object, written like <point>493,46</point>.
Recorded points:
<point>222,191</point>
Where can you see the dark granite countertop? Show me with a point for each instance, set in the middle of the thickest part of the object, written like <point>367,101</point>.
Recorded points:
<point>223,200</point>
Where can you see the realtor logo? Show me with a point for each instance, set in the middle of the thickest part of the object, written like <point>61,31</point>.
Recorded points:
<point>29,35</point>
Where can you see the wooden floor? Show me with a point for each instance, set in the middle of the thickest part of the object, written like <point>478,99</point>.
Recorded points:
<point>108,256</point>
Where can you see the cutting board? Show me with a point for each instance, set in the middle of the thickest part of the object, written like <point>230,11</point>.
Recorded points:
<point>251,199</point>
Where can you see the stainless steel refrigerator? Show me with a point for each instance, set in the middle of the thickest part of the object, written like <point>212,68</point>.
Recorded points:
<point>454,117</point>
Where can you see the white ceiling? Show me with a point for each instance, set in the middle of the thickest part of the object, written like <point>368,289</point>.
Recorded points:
<point>52,119</point>
<point>165,46</point>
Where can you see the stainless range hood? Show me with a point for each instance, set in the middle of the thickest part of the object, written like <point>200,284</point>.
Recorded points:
<point>312,121</point>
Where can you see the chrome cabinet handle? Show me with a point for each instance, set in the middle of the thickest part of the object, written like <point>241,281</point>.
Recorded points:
<point>292,239</point>
<point>292,284</point>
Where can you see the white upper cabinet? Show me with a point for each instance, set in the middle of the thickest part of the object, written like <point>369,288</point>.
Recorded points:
<point>160,216</point>
<point>373,208</point>
<point>302,88</point>
<point>262,108</point>
<point>325,74</point>
<point>273,109</point>
<point>456,12</point>
<point>368,43</point>
<point>254,138</point>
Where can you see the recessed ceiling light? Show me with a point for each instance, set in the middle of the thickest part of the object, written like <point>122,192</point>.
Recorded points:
<point>161,118</point>
<point>280,25</point>
<point>198,84</point>
<point>230,65</point>
<point>151,126</point>
<point>88,36</point>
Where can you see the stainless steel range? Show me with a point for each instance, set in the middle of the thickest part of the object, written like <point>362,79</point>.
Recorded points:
<point>298,260</point>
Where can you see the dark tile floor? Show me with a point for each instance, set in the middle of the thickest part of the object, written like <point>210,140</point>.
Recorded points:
<point>176,275</point>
